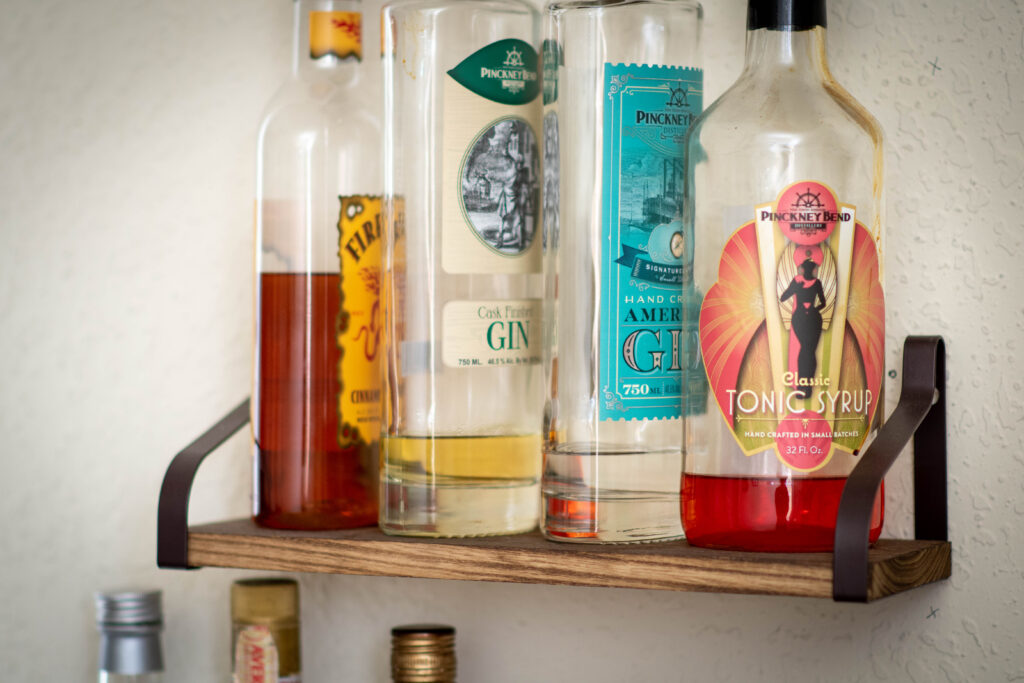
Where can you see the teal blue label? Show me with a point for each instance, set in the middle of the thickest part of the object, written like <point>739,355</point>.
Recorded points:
<point>646,257</point>
<point>505,72</point>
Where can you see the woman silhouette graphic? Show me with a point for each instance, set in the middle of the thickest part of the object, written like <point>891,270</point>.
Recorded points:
<point>806,321</point>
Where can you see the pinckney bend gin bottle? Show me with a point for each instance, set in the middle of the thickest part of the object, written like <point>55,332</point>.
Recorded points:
<point>622,85</point>
<point>463,285</point>
<point>316,395</point>
<point>785,205</point>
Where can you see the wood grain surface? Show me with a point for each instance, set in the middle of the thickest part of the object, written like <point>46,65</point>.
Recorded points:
<point>896,565</point>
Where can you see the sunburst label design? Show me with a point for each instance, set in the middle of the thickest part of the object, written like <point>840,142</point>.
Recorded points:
<point>793,332</point>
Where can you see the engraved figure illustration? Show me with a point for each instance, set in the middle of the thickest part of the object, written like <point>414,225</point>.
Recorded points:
<point>500,186</point>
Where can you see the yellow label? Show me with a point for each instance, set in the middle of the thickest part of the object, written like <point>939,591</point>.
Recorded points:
<point>336,33</point>
<point>359,253</point>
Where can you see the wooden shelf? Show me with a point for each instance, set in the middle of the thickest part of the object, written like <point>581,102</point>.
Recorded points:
<point>893,565</point>
<point>854,573</point>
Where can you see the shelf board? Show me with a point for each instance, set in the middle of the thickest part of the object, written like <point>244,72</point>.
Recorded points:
<point>893,565</point>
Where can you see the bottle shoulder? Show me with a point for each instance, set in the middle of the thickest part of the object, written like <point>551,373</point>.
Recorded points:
<point>314,105</point>
<point>786,112</point>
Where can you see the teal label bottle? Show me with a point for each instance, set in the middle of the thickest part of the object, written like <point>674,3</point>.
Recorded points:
<point>647,256</point>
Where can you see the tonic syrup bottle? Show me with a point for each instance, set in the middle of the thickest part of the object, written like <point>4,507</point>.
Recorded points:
<point>316,391</point>
<point>784,201</point>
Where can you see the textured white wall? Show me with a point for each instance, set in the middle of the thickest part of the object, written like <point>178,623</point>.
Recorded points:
<point>127,141</point>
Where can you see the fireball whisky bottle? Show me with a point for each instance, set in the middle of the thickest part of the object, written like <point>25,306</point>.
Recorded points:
<point>785,207</point>
<point>463,286</point>
<point>315,411</point>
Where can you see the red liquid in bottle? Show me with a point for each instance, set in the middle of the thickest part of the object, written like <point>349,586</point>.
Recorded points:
<point>570,518</point>
<point>766,514</point>
<point>305,479</point>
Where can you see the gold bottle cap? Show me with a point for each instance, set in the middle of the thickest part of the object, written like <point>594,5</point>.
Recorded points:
<point>265,601</point>
<point>423,653</point>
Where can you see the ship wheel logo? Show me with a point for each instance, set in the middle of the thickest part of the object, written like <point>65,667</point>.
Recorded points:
<point>808,212</point>
<point>677,96</point>
<point>514,57</point>
<point>808,199</point>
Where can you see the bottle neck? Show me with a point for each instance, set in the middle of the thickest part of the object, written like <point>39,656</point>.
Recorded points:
<point>786,38</point>
<point>328,38</point>
<point>130,651</point>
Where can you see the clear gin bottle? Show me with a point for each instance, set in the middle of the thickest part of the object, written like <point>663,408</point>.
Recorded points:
<point>463,285</point>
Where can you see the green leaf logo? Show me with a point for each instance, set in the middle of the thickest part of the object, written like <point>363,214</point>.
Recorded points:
<point>504,72</point>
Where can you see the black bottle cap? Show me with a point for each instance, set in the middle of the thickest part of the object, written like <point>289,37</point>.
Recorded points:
<point>786,15</point>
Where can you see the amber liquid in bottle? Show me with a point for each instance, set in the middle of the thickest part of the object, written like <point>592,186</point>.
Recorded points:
<point>305,479</point>
<point>316,396</point>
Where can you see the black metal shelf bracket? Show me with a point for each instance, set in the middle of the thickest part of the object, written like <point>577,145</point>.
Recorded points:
<point>172,511</point>
<point>920,415</point>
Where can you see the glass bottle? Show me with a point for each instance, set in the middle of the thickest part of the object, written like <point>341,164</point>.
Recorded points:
<point>316,410</point>
<point>784,198</point>
<point>130,623</point>
<point>627,83</point>
<point>265,631</point>
<point>423,653</point>
<point>463,286</point>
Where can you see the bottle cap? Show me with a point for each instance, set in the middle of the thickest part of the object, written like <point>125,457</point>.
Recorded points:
<point>265,601</point>
<point>423,653</point>
<point>129,608</point>
<point>786,15</point>
<point>130,623</point>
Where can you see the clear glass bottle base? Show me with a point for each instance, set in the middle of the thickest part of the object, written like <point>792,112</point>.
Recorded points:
<point>456,486</point>
<point>611,497</point>
<point>458,509</point>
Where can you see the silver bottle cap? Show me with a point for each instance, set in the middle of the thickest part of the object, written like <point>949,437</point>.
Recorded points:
<point>130,624</point>
<point>129,608</point>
